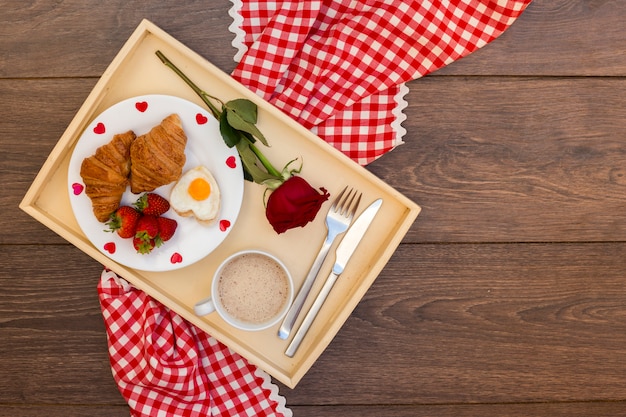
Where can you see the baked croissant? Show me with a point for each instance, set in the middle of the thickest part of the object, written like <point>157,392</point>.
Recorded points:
<point>105,174</point>
<point>158,156</point>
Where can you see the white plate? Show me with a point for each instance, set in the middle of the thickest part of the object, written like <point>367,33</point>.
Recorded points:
<point>192,241</point>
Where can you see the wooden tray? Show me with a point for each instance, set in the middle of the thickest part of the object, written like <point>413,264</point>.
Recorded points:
<point>137,71</point>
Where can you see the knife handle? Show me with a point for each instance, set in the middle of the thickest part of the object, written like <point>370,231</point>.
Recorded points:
<point>311,314</point>
<point>296,306</point>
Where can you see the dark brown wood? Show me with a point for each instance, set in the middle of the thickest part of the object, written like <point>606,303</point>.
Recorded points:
<point>487,323</point>
<point>506,298</point>
<point>513,159</point>
<point>473,410</point>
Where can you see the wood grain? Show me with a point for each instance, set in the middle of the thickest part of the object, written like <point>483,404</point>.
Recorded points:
<point>79,39</point>
<point>540,329</point>
<point>485,323</point>
<point>473,410</point>
<point>513,159</point>
<point>562,38</point>
<point>53,348</point>
<point>506,297</point>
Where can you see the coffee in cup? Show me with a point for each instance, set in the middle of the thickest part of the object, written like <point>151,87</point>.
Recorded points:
<point>251,290</point>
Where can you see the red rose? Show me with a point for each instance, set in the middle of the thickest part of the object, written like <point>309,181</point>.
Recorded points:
<point>293,204</point>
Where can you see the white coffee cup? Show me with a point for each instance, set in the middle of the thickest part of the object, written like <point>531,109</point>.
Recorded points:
<point>251,290</point>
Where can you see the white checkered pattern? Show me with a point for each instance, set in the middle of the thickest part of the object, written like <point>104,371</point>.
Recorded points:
<point>338,66</point>
<point>165,366</point>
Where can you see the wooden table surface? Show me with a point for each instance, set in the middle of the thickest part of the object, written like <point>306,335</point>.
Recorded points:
<point>507,297</point>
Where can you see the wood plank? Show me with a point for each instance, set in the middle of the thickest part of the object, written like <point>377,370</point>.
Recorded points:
<point>555,38</point>
<point>64,410</point>
<point>79,39</point>
<point>513,159</point>
<point>552,37</point>
<point>482,323</point>
<point>53,347</point>
<point>546,162</point>
<point>468,323</point>
<point>596,409</point>
<point>30,129</point>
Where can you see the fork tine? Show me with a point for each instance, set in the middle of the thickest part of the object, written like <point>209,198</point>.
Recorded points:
<point>355,206</point>
<point>338,199</point>
<point>344,206</point>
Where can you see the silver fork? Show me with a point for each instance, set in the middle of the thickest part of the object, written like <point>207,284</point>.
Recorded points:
<point>338,219</point>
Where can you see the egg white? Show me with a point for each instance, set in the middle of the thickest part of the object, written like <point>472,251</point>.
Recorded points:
<point>205,211</point>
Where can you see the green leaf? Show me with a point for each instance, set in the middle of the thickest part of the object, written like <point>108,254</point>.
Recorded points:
<point>237,122</point>
<point>246,175</point>
<point>231,136</point>
<point>248,160</point>
<point>246,109</point>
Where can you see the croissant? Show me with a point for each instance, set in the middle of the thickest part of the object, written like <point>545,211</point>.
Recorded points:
<point>158,156</point>
<point>105,174</point>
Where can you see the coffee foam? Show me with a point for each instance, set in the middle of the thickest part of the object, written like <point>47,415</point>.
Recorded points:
<point>253,288</point>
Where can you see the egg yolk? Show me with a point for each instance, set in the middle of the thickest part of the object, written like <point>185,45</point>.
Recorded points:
<point>199,189</point>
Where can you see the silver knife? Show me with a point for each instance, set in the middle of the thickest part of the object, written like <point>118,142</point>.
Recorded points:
<point>344,252</point>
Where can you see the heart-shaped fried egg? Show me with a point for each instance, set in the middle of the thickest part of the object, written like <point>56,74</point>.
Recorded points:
<point>196,194</point>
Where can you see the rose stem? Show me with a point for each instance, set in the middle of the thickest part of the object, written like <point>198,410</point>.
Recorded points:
<point>203,95</point>
<point>266,163</point>
<point>216,113</point>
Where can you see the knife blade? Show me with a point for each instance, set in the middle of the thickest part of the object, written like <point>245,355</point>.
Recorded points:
<point>346,248</point>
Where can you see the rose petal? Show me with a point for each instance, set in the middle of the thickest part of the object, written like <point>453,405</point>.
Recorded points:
<point>294,204</point>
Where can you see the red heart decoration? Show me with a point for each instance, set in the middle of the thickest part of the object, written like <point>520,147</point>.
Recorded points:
<point>141,106</point>
<point>78,188</point>
<point>176,258</point>
<point>99,129</point>
<point>231,162</point>
<point>201,119</point>
<point>110,247</point>
<point>224,225</point>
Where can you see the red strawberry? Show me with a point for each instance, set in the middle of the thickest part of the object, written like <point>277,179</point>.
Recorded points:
<point>152,204</point>
<point>147,227</point>
<point>167,228</point>
<point>124,221</point>
<point>143,246</point>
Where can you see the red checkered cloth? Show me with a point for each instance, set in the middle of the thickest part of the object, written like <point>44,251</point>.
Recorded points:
<point>165,366</point>
<point>339,67</point>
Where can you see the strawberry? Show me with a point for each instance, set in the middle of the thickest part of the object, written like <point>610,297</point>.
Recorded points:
<point>167,227</point>
<point>152,204</point>
<point>145,234</point>
<point>143,246</point>
<point>124,220</point>
<point>147,227</point>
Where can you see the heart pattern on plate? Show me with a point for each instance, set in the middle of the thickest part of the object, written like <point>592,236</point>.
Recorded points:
<point>176,258</point>
<point>110,247</point>
<point>77,188</point>
<point>99,129</point>
<point>231,162</point>
<point>142,106</point>
<point>201,119</point>
<point>224,225</point>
